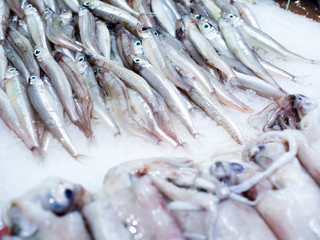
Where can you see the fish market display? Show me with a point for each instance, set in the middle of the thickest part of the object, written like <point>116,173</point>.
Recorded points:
<point>145,69</point>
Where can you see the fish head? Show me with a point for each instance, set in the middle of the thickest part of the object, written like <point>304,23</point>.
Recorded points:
<point>41,53</point>
<point>11,72</point>
<point>89,3</point>
<point>195,17</point>
<point>82,62</point>
<point>47,13</point>
<point>29,9</point>
<point>83,11</point>
<point>135,62</point>
<point>180,29</point>
<point>143,31</point>
<point>231,18</point>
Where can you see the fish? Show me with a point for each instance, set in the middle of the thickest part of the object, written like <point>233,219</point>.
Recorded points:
<point>257,38</point>
<point>59,81</point>
<point>16,89</point>
<point>44,105</point>
<point>99,109</point>
<point>4,16</point>
<point>103,38</point>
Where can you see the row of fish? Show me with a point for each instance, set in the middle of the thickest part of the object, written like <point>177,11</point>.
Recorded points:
<point>60,58</point>
<point>269,189</point>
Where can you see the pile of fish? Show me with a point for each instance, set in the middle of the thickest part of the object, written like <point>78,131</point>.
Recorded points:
<point>130,65</point>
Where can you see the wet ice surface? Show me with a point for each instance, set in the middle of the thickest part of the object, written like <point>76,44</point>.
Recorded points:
<point>20,169</point>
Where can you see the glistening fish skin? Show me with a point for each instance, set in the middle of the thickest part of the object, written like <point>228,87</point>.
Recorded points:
<point>79,88</point>
<point>259,39</point>
<point>167,90</point>
<point>16,90</point>
<point>36,27</point>
<point>87,27</point>
<point>15,60</point>
<point>9,116</point>
<point>4,18</point>
<point>242,51</point>
<point>59,81</point>
<point>103,38</point>
<point>99,109</point>
<point>113,14</point>
<point>3,65</point>
<point>23,47</point>
<point>45,106</point>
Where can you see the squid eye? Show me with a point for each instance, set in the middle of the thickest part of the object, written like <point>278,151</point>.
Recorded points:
<point>198,16</point>
<point>138,43</point>
<point>87,3</point>
<point>81,59</point>
<point>206,25</point>
<point>37,52</point>
<point>12,69</point>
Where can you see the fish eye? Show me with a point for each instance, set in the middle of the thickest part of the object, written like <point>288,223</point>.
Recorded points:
<point>231,16</point>
<point>206,25</point>
<point>12,69</point>
<point>46,10</point>
<point>144,28</point>
<point>198,16</point>
<point>81,59</point>
<point>32,77</point>
<point>156,33</point>
<point>138,43</point>
<point>29,6</point>
<point>37,52</point>
<point>136,60</point>
<point>87,3</point>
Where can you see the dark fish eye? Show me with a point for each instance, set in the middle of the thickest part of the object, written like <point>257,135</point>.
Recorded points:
<point>136,60</point>
<point>87,3</point>
<point>37,52</point>
<point>206,25</point>
<point>261,148</point>
<point>81,59</point>
<point>32,77</point>
<point>156,33</point>
<point>29,6</point>
<point>198,16</point>
<point>231,16</point>
<point>12,69</point>
<point>46,10</point>
<point>144,28</point>
<point>138,43</point>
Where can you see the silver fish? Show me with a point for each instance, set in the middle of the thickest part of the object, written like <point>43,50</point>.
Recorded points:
<point>55,33</point>
<point>246,13</point>
<point>16,90</point>
<point>59,81</point>
<point>54,95</point>
<point>87,28</point>
<point>46,108</point>
<point>122,4</point>
<point>73,5</point>
<point>9,116</point>
<point>145,14</point>
<point>121,105</point>
<point>36,27</point>
<point>103,38</point>
<point>4,18</point>
<point>113,14</point>
<point>99,109</point>
<point>79,88</point>
<point>15,60</point>
<point>23,47</point>
<point>257,38</point>
<point>3,65</point>
<point>243,53</point>
<point>207,50</point>
<point>167,90</point>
